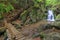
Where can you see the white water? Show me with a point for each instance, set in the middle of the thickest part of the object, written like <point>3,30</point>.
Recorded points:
<point>50,16</point>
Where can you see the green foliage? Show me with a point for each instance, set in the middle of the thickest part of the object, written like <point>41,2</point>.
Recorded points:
<point>13,1</point>
<point>29,3</point>
<point>25,3</point>
<point>36,3</point>
<point>38,0</point>
<point>50,2</point>
<point>58,17</point>
<point>2,7</point>
<point>36,13</point>
<point>9,7</point>
<point>33,15</point>
<point>5,9</point>
<point>23,15</point>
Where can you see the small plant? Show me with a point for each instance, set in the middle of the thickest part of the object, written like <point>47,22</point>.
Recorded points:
<point>5,8</point>
<point>9,7</point>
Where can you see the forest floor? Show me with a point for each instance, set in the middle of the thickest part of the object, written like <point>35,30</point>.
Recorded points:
<point>26,32</point>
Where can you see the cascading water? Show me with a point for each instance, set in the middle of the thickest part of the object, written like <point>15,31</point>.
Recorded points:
<point>50,16</point>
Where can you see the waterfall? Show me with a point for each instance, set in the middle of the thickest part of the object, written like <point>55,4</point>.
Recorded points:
<point>50,16</point>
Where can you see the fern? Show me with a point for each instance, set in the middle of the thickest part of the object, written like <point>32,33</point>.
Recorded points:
<point>2,6</point>
<point>5,9</point>
<point>9,7</point>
